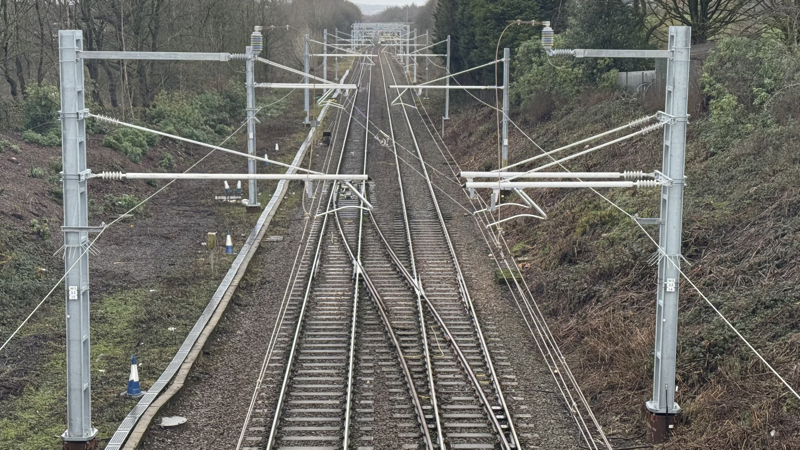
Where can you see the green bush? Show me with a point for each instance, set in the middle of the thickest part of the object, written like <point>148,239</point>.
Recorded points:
<point>41,229</point>
<point>201,117</point>
<point>179,113</point>
<point>167,161</point>
<point>40,113</point>
<point>742,77</point>
<point>56,165</point>
<point>225,107</point>
<point>51,138</point>
<point>37,172</point>
<point>119,204</point>
<point>41,107</point>
<point>5,145</point>
<point>132,143</point>
<point>536,74</point>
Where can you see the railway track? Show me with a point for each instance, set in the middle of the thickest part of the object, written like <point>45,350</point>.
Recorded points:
<point>379,346</point>
<point>311,352</point>
<point>473,412</point>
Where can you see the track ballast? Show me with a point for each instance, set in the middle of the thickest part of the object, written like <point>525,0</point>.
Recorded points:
<point>378,346</point>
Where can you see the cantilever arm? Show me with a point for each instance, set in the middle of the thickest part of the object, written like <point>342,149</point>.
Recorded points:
<point>289,69</point>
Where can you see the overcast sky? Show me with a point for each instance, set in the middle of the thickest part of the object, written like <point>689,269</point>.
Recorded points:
<point>389,2</point>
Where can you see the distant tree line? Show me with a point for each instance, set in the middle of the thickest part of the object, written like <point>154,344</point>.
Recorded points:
<point>29,40</point>
<point>475,26</point>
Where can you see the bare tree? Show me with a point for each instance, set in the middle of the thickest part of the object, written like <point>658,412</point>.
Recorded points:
<point>783,16</point>
<point>708,18</point>
<point>649,20</point>
<point>29,47</point>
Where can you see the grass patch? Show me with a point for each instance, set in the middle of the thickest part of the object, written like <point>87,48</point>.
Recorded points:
<point>124,323</point>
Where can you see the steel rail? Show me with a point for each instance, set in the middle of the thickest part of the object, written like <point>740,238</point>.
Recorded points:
<point>293,279</point>
<point>293,351</point>
<point>450,338</point>
<point>467,300</point>
<point>423,330</point>
<point>381,305</point>
<point>313,272</point>
<point>556,363</point>
<point>352,357</point>
<point>547,346</point>
<point>547,355</point>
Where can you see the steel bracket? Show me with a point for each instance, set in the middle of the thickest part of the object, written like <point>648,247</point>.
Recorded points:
<point>81,176</point>
<point>495,199</point>
<point>647,221</point>
<point>667,181</point>
<point>670,119</point>
<point>87,229</point>
<point>255,110</point>
<point>81,114</point>
<point>472,194</point>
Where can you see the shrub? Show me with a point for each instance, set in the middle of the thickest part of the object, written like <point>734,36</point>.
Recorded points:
<point>40,109</point>
<point>176,113</point>
<point>51,138</point>
<point>535,75</point>
<point>741,78</point>
<point>200,117</point>
<point>41,229</point>
<point>120,204</point>
<point>56,164</point>
<point>5,145</point>
<point>37,172</point>
<point>132,143</point>
<point>167,161</point>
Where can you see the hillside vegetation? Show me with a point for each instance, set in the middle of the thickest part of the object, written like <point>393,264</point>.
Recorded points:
<point>589,262</point>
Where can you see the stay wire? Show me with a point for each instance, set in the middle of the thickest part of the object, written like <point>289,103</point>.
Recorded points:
<point>683,274</point>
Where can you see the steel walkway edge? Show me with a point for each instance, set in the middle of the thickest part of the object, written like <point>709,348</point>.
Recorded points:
<point>239,265</point>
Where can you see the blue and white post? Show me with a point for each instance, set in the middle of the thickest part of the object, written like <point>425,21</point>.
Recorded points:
<point>134,390</point>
